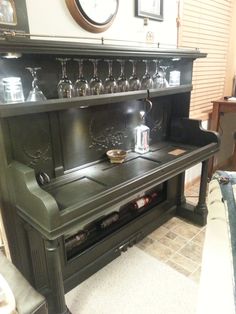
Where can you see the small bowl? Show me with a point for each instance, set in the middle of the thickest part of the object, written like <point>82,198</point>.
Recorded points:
<point>116,156</point>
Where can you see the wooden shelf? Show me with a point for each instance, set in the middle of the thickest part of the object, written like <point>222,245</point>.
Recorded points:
<point>35,46</point>
<point>17,109</point>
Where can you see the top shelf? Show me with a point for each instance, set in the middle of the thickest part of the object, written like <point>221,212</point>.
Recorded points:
<point>25,45</point>
<point>17,109</point>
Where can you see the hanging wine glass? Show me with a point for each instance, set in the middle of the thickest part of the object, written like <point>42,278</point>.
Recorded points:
<point>157,78</point>
<point>110,85</point>
<point>35,94</point>
<point>95,84</point>
<point>146,81</point>
<point>134,82</point>
<point>64,87</point>
<point>122,82</point>
<point>164,80</point>
<point>81,86</point>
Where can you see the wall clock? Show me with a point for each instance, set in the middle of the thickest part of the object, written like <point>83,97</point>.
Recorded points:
<point>93,15</point>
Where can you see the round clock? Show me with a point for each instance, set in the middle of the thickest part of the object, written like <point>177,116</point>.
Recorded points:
<point>93,15</point>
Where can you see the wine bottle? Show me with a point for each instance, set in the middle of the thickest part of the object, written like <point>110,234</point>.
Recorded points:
<point>109,220</point>
<point>142,202</point>
<point>76,240</point>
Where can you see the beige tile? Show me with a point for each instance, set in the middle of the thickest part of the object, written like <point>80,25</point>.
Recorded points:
<point>175,246</point>
<point>159,233</point>
<point>171,235</point>
<point>186,231</point>
<point>174,222</point>
<point>184,262</point>
<point>192,251</point>
<point>159,251</point>
<point>196,275</point>
<point>180,240</point>
<point>200,237</point>
<point>179,268</point>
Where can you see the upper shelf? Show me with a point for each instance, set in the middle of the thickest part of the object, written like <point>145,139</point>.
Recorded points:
<point>17,109</point>
<point>26,45</point>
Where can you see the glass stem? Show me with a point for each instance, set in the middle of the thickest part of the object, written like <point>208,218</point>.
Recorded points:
<point>156,67</point>
<point>122,68</point>
<point>81,68</point>
<point>134,68</point>
<point>109,68</point>
<point>34,82</point>
<point>146,68</point>
<point>95,68</point>
<point>63,65</point>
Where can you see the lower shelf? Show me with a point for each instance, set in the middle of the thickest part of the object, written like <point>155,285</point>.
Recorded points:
<point>102,227</point>
<point>94,258</point>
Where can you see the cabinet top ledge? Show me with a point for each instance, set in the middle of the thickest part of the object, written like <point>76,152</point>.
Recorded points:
<point>34,46</point>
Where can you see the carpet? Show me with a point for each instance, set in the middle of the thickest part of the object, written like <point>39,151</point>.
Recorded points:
<point>134,283</point>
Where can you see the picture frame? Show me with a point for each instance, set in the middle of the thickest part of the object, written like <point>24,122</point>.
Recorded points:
<point>153,9</point>
<point>13,16</point>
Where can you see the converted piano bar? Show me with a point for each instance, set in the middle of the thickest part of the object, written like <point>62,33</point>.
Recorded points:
<point>67,210</point>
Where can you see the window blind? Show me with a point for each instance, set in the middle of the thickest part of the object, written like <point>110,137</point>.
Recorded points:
<point>206,24</point>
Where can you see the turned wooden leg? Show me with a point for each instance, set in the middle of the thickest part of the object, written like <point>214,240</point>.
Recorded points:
<point>197,214</point>
<point>56,298</point>
<point>201,208</point>
<point>180,192</point>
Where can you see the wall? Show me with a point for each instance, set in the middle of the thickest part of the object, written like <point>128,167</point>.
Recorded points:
<point>227,122</point>
<point>51,17</point>
<point>231,68</point>
<point>213,66</point>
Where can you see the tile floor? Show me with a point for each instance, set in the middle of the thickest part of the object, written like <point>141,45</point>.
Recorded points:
<point>178,242</point>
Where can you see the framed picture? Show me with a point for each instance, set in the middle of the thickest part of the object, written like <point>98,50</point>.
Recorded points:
<point>13,16</point>
<point>153,9</point>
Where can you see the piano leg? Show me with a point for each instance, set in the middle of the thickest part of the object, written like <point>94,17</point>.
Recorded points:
<point>201,208</point>
<point>197,214</point>
<point>56,298</point>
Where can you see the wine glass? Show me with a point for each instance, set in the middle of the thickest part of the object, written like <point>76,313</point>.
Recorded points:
<point>110,84</point>
<point>95,84</point>
<point>157,78</point>
<point>122,82</point>
<point>146,81</point>
<point>164,83</point>
<point>134,82</point>
<point>65,86</point>
<point>35,94</point>
<point>81,86</point>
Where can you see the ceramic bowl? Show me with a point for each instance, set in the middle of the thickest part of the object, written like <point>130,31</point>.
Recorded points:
<point>116,156</point>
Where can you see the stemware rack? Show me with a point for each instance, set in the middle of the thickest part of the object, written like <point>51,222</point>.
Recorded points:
<point>44,54</point>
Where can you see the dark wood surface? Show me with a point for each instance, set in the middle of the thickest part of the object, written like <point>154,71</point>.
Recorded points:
<point>34,46</point>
